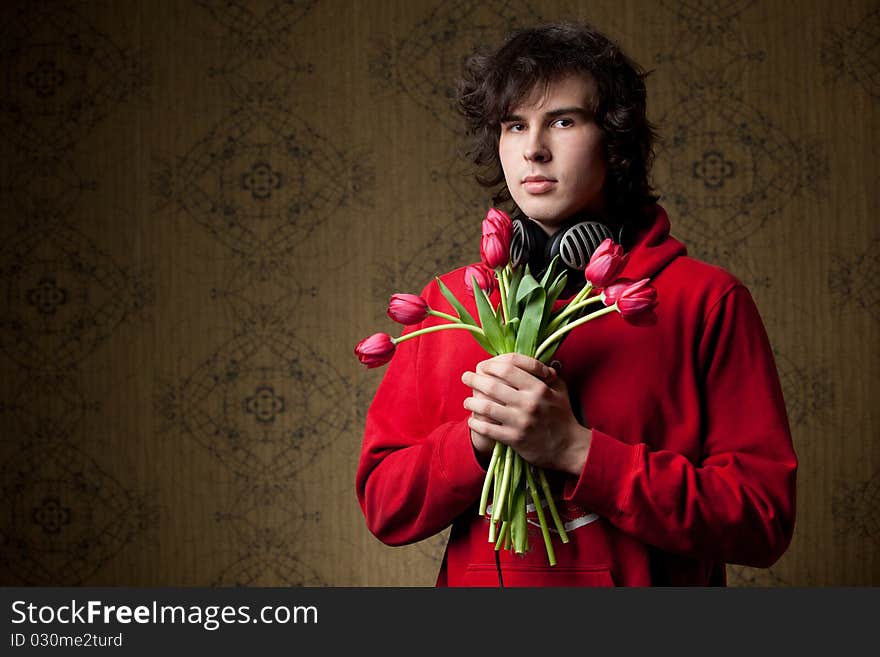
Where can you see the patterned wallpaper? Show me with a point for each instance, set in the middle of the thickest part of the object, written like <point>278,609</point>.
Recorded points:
<point>205,204</point>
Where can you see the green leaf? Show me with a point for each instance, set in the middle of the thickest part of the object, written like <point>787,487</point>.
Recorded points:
<point>526,285</point>
<point>548,353</point>
<point>512,287</point>
<point>531,322</point>
<point>548,274</point>
<point>517,473</point>
<point>509,330</point>
<point>490,325</point>
<point>552,294</point>
<point>557,287</point>
<point>462,312</point>
<point>464,315</point>
<point>519,530</point>
<point>515,476</point>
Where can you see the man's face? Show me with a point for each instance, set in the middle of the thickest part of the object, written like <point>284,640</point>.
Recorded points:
<point>551,152</point>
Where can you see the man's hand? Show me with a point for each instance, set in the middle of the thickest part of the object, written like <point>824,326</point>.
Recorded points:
<point>521,402</point>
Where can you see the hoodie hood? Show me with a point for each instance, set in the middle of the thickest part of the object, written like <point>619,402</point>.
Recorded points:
<point>653,247</point>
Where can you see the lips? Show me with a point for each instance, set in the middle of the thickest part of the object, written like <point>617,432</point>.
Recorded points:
<point>538,184</point>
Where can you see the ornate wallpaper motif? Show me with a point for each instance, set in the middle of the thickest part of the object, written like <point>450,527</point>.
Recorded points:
<point>725,168</point>
<point>849,51</point>
<point>264,404</point>
<point>854,278</point>
<point>66,517</point>
<point>62,76</point>
<point>66,513</point>
<point>424,63</point>
<point>261,182</point>
<point>206,204</point>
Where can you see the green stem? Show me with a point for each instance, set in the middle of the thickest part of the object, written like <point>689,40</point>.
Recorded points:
<point>437,313</point>
<point>545,486</point>
<point>521,542</point>
<point>498,502</point>
<point>545,531</point>
<point>581,295</point>
<point>568,327</point>
<point>503,287</point>
<point>502,534</point>
<point>499,471</point>
<point>570,309</point>
<point>490,475</point>
<point>496,485</point>
<point>433,329</point>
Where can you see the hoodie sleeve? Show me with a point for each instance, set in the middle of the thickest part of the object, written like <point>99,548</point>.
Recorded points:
<point>416,474</point>
<point>737,504</point>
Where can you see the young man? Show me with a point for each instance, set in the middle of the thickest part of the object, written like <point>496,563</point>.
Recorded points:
<point>668,443</point>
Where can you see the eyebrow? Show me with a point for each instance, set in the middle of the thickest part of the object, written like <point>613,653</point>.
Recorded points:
<point>551,114</point>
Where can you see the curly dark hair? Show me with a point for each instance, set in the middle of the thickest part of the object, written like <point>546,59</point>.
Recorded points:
<point>495,82</point>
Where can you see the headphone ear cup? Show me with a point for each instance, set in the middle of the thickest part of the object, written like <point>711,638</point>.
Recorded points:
<point>580,242</point>
<point>527,245</point>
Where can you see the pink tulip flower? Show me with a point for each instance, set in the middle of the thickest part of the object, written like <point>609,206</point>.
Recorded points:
<point>375,350</point>
<point>407,309</point>
<point>495,243</point>
<point>606,264</point>
<point>611,294</point>
<point>485,278</point>
<point>637,299</point>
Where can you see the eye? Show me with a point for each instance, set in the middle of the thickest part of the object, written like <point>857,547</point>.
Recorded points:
<point>515,127</point>
<point>564,123</point>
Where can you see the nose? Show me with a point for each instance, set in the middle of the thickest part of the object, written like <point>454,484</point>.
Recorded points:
<point>536,149</point>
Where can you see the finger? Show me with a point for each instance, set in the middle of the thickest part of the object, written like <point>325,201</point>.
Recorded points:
<point>480,416</point>
<point>479,395</point>
<point>490,386</point>
<point>487,410</point>
<point>492,431</point>
<point>517,371</point>
<point>484,418</point>
<point>528,364</point>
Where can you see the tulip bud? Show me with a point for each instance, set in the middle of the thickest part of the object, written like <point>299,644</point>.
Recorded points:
<point>495,243</point>
<point>375,350</point>
<point>485,278</point>
<point>611,294</point>
<point>636,299</point>
<point>606,264</point>
<point>407,309</point>
<point>497,221</point>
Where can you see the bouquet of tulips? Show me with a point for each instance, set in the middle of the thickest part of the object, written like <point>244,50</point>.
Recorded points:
<point>523,322</point>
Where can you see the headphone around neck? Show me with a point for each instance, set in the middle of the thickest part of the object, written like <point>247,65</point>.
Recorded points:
<point>574,243</point>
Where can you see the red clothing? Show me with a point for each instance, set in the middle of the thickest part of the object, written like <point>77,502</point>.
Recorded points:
<point>691,464</point>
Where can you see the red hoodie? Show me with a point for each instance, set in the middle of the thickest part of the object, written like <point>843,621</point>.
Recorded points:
<point>691,464</point>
